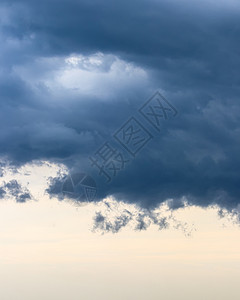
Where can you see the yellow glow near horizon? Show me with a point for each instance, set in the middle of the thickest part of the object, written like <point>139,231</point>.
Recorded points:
<point>47,250</point>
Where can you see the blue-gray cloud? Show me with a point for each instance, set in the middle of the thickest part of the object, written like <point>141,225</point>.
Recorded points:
<point>13,189</point>
<point>190,53</point>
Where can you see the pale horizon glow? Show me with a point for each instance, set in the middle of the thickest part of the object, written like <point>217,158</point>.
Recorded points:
<point>49,251</point>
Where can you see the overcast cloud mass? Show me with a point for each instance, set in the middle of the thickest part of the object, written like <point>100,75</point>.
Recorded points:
<point>72,72</point>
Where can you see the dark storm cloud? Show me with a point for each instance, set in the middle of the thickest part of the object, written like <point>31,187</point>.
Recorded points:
<point>191,53</point>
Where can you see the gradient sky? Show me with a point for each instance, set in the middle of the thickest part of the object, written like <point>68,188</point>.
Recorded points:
<point>73,75</point>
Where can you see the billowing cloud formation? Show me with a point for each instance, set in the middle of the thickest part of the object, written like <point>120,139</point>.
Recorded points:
<point>72,72</point>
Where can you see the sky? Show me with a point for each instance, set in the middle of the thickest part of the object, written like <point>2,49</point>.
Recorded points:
<point>119,130</point>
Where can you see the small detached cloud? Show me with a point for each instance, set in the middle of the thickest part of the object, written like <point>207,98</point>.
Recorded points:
<point>14,190</point>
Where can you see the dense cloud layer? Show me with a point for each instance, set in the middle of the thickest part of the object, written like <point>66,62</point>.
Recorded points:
<point>72,72</point>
